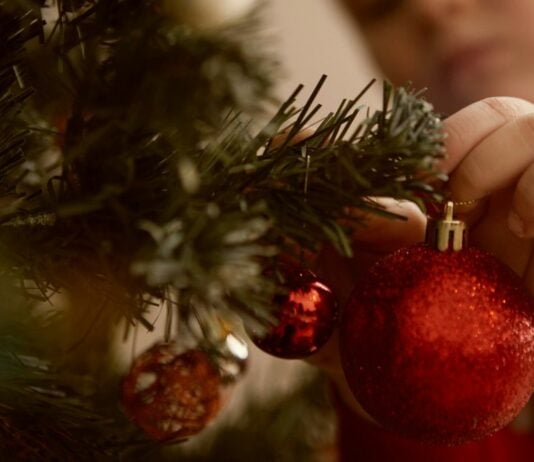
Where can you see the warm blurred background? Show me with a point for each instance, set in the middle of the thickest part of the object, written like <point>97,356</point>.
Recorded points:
<point>317,37</point>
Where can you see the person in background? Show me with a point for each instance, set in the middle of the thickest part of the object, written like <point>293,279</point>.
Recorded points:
<point>476,59</point>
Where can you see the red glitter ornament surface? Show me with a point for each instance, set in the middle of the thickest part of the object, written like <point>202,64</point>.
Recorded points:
<point>439,346</point>
<point>306,318</point>
<point>169,395</point>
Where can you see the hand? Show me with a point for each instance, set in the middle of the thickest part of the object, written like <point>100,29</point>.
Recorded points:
<point>490,158</point>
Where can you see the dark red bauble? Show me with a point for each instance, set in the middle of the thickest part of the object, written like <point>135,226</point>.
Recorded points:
<point>439,346</point>
<point>306,317</point>
<point>170,395</point>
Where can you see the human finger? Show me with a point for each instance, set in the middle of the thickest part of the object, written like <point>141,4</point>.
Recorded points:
<point>377,235</point>
<point>468,127</point>
<point>496,162</point>
<point>521,217</point>
<point>281,138</point>
<point>383,233</point>
<point>374,237</point>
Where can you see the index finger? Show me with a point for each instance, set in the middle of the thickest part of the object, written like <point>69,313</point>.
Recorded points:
<point>468,127</point>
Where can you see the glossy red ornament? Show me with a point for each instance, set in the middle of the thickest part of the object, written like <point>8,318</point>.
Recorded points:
<point>306,317</point>
<point>170,395</point>
<point>439,346</point>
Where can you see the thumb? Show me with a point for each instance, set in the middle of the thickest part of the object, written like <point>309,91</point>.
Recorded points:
<point>384,234</point>
<point>377,236</point>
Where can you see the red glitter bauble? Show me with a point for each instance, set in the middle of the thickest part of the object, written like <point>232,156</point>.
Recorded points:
<point>170,395</point>
<point>306,317</point>
<point>439,346</point>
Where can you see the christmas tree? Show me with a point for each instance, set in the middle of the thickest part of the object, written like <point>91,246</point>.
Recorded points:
<point>145,166</point>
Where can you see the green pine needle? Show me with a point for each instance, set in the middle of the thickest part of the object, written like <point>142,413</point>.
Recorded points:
<point>136,170</point>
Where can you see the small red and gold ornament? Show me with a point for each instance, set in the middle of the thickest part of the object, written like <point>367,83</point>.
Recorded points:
<point>306,316</point>
<point>172,395</point>
<point>437,341</point>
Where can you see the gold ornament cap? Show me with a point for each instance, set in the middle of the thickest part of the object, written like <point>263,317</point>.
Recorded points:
<point>446,233</point>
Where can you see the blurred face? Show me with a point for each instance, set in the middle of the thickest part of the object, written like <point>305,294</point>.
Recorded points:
<point>462,50</point>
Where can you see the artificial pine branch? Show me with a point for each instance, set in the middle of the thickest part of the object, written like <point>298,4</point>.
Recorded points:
<point>163,189</point>
<point>48,413</point>
<point>16,27</point>
<point>176,190</point>
<point>311,184</point>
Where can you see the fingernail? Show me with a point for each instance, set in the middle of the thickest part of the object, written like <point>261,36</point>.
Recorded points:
<point>516,225</point>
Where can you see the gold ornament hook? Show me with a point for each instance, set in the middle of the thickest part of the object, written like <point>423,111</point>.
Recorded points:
<point>446,233</point>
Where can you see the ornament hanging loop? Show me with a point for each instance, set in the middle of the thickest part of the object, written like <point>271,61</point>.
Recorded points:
<point>446,233</point>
